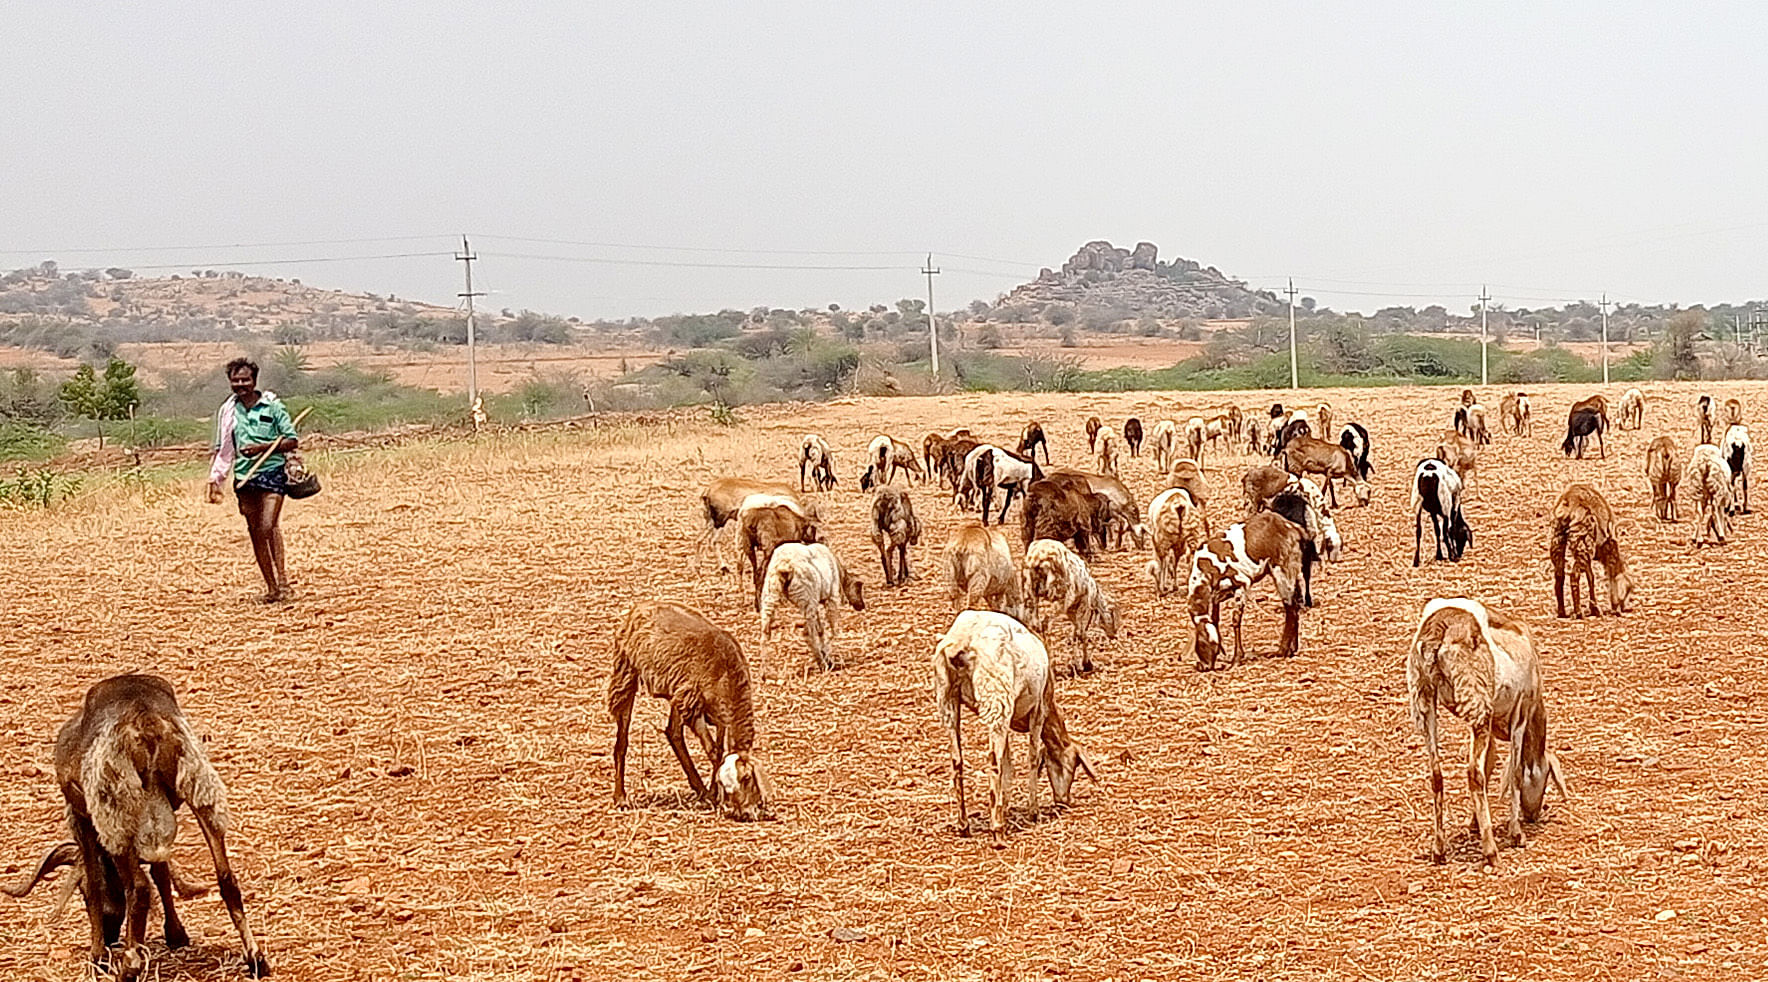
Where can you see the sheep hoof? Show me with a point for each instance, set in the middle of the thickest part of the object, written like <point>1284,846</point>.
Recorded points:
<point>257,966</point>
<point>177,938</point>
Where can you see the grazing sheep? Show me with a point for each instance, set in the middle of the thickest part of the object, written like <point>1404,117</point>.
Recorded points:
<point>1125,515</point>
<point>1227,565</point>
<point>951,463</point>
<point>1709,479</point>
<point>1264,484</point>
<point>1584,526</point>
<point>1107,452</point>
<point>1355,439</point>
<point>1056,577</point>
<point>1030,439</point>
<point>1459,452</point>
<point>678,655</point>
<point>125,762</point>
<point>725,496</point>
<point>1064,507</point>
<point>1185,473</point>
<point>989,468</point>
<point>1195,431</point>
<point>1261,484</point>
<point>814,581</point>
<point>1165,440</point>
<point>1578,428</point>
<point>1664,473</point>
<point>1632,410</point>
<point>1322,535</point>
<point>1737,457</point>
<point>1482,665</point>
<point>1596,404</point>
<point>1306,455</point>
<point>1705,419</point>
<point>894,529</point>
<point>1179,527</point>
<point>1733,413</point>
<point>1132,436</point>
<point>995,666</point>
<point>980,564</point>
<point>936,448</point>
<point>763,524</point>
<point>1093,428</point>
<point>885,456</point>
<point>814,457</point>
<point>1436,488</point>
<point>1476,425</point>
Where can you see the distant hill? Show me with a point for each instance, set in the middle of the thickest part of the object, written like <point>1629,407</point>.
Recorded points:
<point>1138,282</point>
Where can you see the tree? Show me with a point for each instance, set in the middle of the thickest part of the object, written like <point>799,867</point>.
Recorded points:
<point>1679,352</point>
<point>115,396</point>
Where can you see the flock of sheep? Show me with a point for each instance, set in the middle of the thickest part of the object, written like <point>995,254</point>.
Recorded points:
<point>128,759</point>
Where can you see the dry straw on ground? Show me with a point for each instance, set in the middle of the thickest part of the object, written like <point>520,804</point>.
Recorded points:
<point>417,745</point>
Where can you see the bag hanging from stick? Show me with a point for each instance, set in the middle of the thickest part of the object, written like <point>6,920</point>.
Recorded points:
<point>301,482</point>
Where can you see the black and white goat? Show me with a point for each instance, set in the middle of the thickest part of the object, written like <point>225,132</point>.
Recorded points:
<point>1356,439</point>
<point>987,469</point>
<point>1436,488</point>
<point>1736,449</point>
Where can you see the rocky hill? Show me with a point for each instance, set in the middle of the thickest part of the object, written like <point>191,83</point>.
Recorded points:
<point>1139,282</point>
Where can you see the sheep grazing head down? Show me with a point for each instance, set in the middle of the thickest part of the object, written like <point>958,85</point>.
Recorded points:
<point>1061,766</point>
<point>741,788</point>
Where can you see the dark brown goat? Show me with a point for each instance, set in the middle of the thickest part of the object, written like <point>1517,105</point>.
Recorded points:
<point>1031,439</point>
<point>1132,435</point>
<point>894,529</point>
<point>1065,508</point>
<point>1093,428</point>
<point>125,762</point>
<point>760,530</point>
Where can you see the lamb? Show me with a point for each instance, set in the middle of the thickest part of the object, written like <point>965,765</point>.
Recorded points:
<point>1165,439</point>
<point>1355,439</point>
<point>1733,413</point>
<point>1633,410</point>
<point>1179,527</point>
<point>1124,514</point>
<point>1664,474</point>
<point>1226,567</point>
<point>1030,439</point>
<point>1584,526</point>
<point>1483,666</point>
<point>1107,452</point>
<point>763,524</point>
<point>995,666</point>
<point>1056,577</point>
<point>1066,508</point>
<point>814,581</point>
<point>1578,428</point>
<point>678,655</point>
<point>814,457</point>
<point>989,468</point>
<point>125,762</point>
<point>1709,478</point>
<point>885,456</point>
<point>1459,452</point>
<point>1436,488</point>
<point>1704,419</point>
<point>1737,457</point>
<point>894,529</point>
<point>1132,436</point>
<point>980,564</point>
<point>1332,462</point>
<point>1093,428</point>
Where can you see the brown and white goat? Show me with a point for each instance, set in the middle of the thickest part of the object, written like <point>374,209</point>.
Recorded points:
<point>1664,473</point>
<point>763,523</point>
<point>1482,666</point>
<point>1226,567</point>
<point>1179,527</point>
<point>125,762</point>
<point>1306,455</point>
<point>815,459</point>
<point>894,529</point>
<point>1584,526</point>
<point>994,666</point>
<point>680,656</point>
<point>1057,579</point>
<point>812,579</point>
<point>979,565</point>
<point>1461,453</point>
<point>885,456</point>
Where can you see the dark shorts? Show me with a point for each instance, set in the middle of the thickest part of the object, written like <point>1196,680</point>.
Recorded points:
<point>267,481</point>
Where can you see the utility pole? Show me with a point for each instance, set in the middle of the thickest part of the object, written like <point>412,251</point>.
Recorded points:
<point>932,327</point>
<point>1605,337</point>
<point>1482,335</point>
<point>1294,377</point>
<point>465,255</point>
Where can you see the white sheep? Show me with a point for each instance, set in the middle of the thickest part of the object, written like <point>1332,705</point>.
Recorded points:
<point>814,581</point>
<point>1058,582</point>
<point>998,668</point>
<point>815,461</point>
<point>1179,527</point>
<point>1708,478</point>
<point>1196,431</point>
<point>1165,440</point>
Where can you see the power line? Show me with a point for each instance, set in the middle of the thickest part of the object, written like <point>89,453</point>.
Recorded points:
<point>703,249</point>
<point>289,262</point>
<point>689,265</point>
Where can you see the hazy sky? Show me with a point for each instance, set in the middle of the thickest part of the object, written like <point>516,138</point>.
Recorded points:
<point>1381,153</point>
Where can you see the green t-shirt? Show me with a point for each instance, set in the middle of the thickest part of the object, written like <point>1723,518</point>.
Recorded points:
<point>262,423</point>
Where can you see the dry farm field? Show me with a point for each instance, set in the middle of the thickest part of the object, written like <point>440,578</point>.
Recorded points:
<point>417,745</point>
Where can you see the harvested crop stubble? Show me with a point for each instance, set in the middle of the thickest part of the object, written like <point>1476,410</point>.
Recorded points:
<point>417,745</point>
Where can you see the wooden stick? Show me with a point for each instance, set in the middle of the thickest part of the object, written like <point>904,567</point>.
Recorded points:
<point>266,454</point>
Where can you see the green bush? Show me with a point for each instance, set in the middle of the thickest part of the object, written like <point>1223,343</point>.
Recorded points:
<point>21,441</point>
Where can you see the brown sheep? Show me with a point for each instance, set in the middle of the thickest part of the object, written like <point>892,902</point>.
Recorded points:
<point>1461,453</point>
<point>980,566</point>
<point>1132,435</point>
<point>1306,455</point>
<point>1126,516</point>
<point>1064,507</point>
<point>761,527</point>
<point>1664,473</point>
<point>1261,484</point>
<point>1186,473</point>
<point>894,529</point>
<point>1093,428</point>
<point>1584,526</point>
<point>678,655</point>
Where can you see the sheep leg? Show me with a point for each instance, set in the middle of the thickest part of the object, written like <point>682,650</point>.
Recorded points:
<point>903,572</point>
<point>622,688</point>
<point>1558,557</point>
<point>1440,844</point>
<point>176,935</point>
<point>1477,765</point>
<point>213,833</point>
<point>93,884</point>
<point>1006,503</point>
<point>137,898</point>
<point>832,611</point>
<point>1001,749</point>
<point>679,744</point>
<point>956,712</point>
<point>1034,735</point>
<point>1417,533</point>
<point>1239,617</point>
<point>1590,578</point>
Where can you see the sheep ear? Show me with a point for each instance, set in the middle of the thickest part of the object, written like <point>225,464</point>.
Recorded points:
<point>1080,761</point>
<point>1555,775</point>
